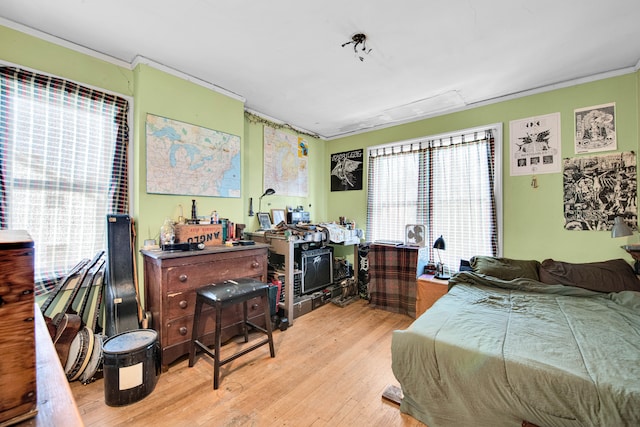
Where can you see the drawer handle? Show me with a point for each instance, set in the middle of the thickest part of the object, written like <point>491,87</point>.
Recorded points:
<point>183,278</point>
<point>255,306</point>
<point>183,304</point>
<point>183,330</point>
<point>255,264</point>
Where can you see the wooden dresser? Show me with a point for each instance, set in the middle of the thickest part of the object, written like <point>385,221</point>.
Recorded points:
<point>171,278</point>
<point>18,394</point>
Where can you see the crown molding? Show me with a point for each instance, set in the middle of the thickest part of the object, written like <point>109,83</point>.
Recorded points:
<point>115,61</point>
<point>184,76</point>
<point>63,43</point>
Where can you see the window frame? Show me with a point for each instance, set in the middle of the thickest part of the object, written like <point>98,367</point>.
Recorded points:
<point>130,130</point>
<point>497,133</point>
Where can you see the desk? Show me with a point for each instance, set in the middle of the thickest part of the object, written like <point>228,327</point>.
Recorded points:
<point>634,251</point>
<point>285,246</point>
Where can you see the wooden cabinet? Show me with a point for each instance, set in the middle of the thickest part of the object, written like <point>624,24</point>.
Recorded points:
<point>171,278</point>
<point>429,290</point>
<point>18,395</point>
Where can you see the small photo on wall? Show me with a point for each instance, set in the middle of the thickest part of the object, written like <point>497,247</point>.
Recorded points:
<point>595,128</point>
<point>346,170</point>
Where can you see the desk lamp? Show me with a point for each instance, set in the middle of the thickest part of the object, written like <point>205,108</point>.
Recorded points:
<point>620,228</point>
<point>267,192</point>
<point>439,245</point>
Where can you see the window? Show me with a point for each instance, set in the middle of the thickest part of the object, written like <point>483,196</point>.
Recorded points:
<point>63,167</point>
<point>447,183</point>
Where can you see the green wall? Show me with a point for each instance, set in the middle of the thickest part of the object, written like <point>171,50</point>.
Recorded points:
<point>533,218</point>
<point>159,93</point>
<point>253,177</point>
<point>165,95</point>
<point>31,52</point>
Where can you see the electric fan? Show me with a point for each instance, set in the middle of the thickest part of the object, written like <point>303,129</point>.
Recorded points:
<point>414,235</point>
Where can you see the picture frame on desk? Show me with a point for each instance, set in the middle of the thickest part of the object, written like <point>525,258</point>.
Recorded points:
<point>265,220</point>
<point>278,216</point>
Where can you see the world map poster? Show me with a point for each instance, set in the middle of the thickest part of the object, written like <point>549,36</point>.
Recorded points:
<point>285,163</point>
<point>192,160</point>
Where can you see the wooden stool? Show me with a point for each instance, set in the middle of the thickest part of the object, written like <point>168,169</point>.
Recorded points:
<point>222,295</point>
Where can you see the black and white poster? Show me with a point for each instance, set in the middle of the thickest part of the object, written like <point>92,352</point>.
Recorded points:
<point>597,189</point>
<point>595,128</point>
<point>535,145</point>
<point>346,170</point>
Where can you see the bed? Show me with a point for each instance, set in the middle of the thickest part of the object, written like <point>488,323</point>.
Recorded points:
<point>529,345</point>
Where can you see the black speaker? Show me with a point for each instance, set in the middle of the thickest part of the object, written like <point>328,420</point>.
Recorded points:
<point>121,301</point>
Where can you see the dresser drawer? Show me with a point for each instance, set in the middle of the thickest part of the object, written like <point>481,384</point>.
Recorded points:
<point>180,328</point>
<point>180,303</point>
<point>196,275</point>
<point>183,303</point>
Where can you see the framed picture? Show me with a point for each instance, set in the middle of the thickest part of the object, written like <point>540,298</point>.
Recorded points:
<point>346,170</point>
<point>278,216</point>
<point>264,220</point>
<point>595,128</point>
<point>535,145</point>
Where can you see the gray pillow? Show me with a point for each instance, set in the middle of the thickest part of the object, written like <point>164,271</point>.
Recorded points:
<point>505,268</point>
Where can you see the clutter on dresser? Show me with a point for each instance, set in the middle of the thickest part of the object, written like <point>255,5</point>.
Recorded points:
<point>208,234</point>
<point>198,232</point>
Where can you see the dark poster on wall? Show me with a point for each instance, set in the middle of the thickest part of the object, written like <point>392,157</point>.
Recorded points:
<point>346,171</point>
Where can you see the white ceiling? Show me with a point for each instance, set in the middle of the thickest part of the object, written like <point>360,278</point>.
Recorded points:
<point>284,57</point>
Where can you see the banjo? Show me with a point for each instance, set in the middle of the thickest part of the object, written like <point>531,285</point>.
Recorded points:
<point>82,344</point>
<point>57,293</point>
<point>95,360</point>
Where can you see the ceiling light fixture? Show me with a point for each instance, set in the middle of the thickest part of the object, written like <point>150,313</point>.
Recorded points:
<point>358,39</point>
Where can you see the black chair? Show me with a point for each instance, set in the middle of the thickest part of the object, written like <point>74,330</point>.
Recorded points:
<point>220,296</point>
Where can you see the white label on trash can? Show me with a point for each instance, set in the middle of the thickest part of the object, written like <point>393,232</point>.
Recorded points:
<point>130,376</point>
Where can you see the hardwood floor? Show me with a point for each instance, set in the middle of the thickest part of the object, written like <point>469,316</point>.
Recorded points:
<point>330,369</point>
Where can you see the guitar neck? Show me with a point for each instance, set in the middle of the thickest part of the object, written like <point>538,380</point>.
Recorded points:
<point>100,288</point>
<point>77,286</point>
<point>89,287</point>
<point>62,284</point>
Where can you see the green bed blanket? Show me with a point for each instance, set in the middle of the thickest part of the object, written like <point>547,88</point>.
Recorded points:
<point>494,353</point>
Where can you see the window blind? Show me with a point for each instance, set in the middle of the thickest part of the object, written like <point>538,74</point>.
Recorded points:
<point>63,166</point>
<point>446,184</point>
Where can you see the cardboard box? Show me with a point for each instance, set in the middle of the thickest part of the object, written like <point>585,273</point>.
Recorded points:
<point>209,234</point>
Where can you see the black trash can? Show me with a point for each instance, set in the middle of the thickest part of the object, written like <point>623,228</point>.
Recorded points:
<point>131,366</point>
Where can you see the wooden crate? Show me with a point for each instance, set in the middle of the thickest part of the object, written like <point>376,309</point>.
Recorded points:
<point>209,234</point>
<point>17,329</point>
